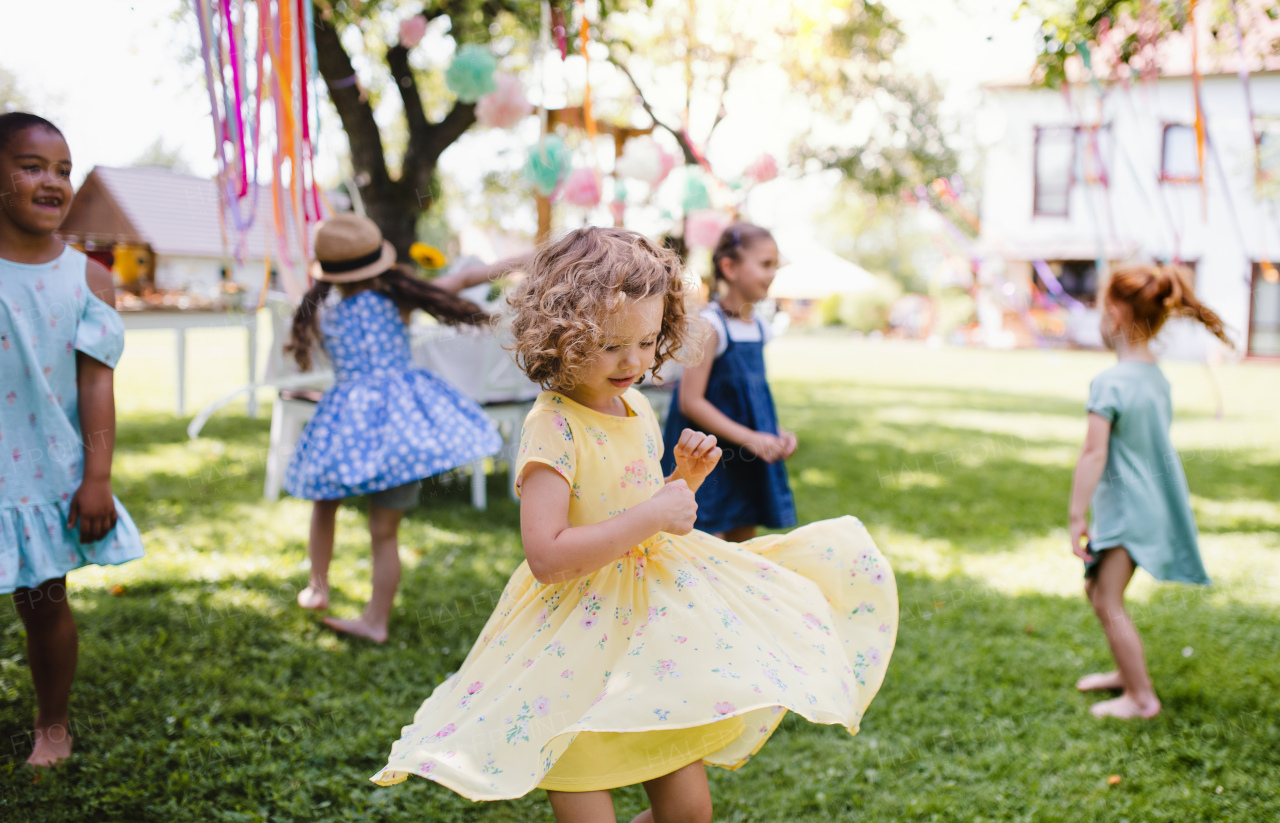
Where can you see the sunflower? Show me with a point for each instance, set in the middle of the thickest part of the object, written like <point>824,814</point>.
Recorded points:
<point>429,257</point>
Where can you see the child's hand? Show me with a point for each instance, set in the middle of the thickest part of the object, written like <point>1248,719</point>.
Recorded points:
<point>789,443</point>
<point>1079,529</point>
<point>93,509</point>
<point>677,507</point>
<point>696,455</point>
<point>767,447</point>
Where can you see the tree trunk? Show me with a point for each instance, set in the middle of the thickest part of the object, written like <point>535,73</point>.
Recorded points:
<point>396,215</point>
<point>393,204</point>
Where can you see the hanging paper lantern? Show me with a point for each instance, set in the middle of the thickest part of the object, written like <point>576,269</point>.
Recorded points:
<point>581,189</point>
<point>695,195</point>
<point>429,257</point>
<point>470,75</point>
<point>641,160</point>
<point>702,229</point>
<point>764,169</point>
<point>412,31</point>
<point>668,163</point>
<point>505,106</point>
<point>644,160</point>
<point>547,164</point>
<point>618,208</point>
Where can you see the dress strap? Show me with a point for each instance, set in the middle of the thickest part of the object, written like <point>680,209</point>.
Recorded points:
<point>724,325</point>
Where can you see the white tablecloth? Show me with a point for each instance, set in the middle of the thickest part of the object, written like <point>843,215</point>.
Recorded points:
<point>473,360</point>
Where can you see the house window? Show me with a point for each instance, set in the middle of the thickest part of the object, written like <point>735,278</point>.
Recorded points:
<point>1054,163</point>
<point>1264,312</point>
<point>1179,158</point>
<point>1094,150</point>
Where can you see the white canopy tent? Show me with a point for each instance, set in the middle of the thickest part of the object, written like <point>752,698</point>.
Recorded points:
<point>814,273</point>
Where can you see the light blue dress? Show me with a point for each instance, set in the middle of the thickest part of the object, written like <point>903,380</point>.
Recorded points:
<point>1142,502</point>
<point>47,314</point>
<point>384,423</point>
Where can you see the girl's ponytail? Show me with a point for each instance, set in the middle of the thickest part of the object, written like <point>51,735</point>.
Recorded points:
<point>1153,294</point>
<point>412,292</point>
<point>302,334</point>
<point>1182,301</point>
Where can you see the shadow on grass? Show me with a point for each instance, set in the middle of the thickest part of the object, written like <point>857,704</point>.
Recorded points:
<point>227,702</point>
<point>979,490</point>
<point>143,430</point>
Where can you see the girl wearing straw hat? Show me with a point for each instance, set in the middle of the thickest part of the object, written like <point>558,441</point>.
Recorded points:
<point>384,425</point>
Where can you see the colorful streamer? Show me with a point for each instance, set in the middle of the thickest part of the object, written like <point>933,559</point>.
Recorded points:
<point>1195,89</point>
<point>284,70</point>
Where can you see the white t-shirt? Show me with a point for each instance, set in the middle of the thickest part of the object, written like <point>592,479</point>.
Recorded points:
<point>755,330</point>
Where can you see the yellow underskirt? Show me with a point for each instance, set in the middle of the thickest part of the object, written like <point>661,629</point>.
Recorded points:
<point>607,760</point>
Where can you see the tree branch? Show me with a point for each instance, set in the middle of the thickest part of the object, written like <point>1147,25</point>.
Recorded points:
<point>690,156</point>
<point>357,115</point>
<point>414,114</point>
<point>724,89</point>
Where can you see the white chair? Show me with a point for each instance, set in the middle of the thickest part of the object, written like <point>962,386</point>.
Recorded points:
<point>474,360</point>
<point>299,392</point>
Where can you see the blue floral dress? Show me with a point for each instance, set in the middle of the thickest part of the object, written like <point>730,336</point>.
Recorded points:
<point>47,314</point>
<point>384,423</point>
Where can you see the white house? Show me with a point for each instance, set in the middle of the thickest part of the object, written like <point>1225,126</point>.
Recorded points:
<point>166,228</point>
<point>1107,173</point>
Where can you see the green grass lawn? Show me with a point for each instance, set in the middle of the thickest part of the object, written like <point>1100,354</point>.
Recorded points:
<point>204,693</point>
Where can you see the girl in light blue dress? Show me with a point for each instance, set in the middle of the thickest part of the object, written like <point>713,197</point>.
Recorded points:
<point>59,344</point>
<point>1130,478</point>
<point>384,425</point>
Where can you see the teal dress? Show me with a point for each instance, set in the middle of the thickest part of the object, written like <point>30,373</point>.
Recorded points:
<point>47,314</point>
<point>1142,502</point>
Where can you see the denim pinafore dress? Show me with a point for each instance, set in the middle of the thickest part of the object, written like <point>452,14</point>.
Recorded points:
<point>742,490</point>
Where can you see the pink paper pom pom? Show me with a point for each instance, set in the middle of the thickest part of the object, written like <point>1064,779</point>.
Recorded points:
<point>702,229</point>
<point>412,31</point>
<point>581,189</point>
<point>763,169</point>
<point>668,163</point>
<point>644,160</point>
<point>505,106</point>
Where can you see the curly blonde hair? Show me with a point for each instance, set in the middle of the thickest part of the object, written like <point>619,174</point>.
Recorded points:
<point>574,283</point>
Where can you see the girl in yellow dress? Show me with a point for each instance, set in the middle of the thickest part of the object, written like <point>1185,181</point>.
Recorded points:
<point>628,648</point>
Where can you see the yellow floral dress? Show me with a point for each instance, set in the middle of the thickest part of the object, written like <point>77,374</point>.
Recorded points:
<point>686,648</point>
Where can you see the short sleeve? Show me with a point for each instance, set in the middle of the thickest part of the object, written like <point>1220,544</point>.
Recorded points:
<point>717,325</point>
<point>547,438</point>
<point>1104,397</point>
<point>100,332</point>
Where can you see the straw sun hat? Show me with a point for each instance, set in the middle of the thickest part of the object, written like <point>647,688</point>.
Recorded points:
<point>350,248</point>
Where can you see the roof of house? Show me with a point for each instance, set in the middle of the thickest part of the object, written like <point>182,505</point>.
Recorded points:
<point>176,214</point>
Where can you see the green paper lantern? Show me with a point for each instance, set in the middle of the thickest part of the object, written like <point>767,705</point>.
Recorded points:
<point>696,197</point>
<point>471,74</point>
<point>547,165</point>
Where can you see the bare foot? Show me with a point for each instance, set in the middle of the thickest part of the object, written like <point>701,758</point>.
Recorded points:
<point>313,597</point>
<point>1126,708</point>
<point>359,628</point>
<point>52,746</point>
<point>1100,682</point>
